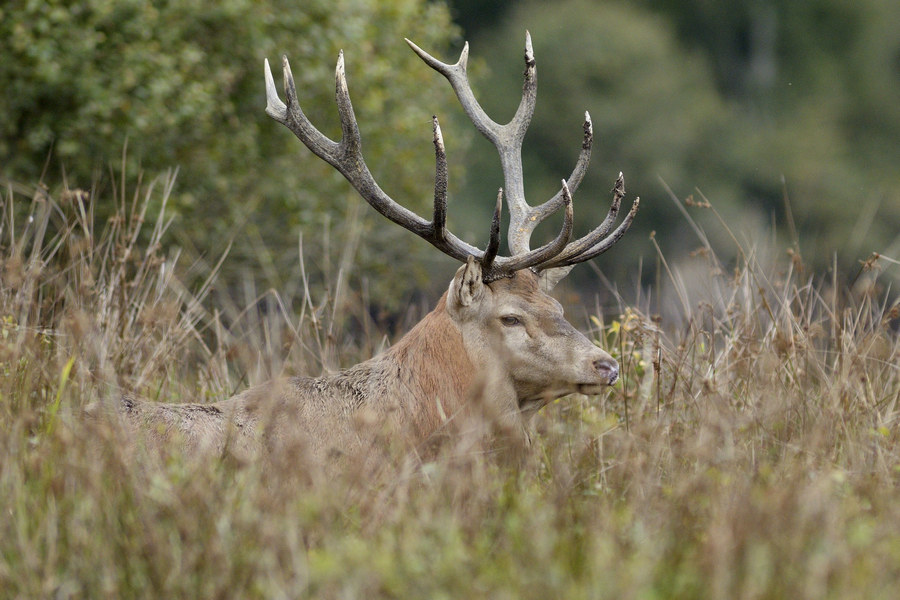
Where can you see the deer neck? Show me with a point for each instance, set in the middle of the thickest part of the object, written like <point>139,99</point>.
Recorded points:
<point>424,379</point>
<point>428,376</point>
<point>432,362</point>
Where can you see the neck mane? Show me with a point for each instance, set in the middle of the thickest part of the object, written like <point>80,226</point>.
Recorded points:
<point>427,374</point>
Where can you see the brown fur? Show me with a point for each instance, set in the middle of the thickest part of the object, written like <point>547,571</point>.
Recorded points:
<point>412,388</point>
<point>437,370</point>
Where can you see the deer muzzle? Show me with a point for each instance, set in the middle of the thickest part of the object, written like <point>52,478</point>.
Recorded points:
<point>608,369</point>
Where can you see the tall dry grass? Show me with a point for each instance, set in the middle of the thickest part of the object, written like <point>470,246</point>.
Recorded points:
<point>750,450</point>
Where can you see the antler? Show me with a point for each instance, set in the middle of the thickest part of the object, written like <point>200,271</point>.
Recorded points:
<point>346,157</point>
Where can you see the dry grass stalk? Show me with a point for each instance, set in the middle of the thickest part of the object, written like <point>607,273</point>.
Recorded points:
<point>760,457</point>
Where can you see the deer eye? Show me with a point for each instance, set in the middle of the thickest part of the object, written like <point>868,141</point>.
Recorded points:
<point>509,321</point>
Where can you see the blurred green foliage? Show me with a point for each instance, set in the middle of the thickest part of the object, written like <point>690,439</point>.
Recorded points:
<point>745,104</point>
<point>817,82</point>
<point>182,83</point>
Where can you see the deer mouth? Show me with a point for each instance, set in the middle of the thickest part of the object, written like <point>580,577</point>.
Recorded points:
<point>592,389</point>
<point>533,403</point>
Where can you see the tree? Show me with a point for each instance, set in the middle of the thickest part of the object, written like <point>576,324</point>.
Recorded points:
<point>183,84</point>
<point>816,82</point>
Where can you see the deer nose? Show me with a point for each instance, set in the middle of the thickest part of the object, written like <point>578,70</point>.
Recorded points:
<point>609,368</point>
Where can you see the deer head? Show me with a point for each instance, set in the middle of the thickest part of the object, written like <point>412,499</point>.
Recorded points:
<point>517,333</point>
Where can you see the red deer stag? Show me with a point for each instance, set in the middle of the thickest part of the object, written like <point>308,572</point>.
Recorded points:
<point>494,334</point>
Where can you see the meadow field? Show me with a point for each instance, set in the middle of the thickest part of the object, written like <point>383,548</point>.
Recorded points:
<point>750,450</point>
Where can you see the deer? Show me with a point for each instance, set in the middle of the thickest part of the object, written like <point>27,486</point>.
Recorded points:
<point>495,336</point>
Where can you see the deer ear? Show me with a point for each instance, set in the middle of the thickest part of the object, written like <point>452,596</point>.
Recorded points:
<point>467,287</point>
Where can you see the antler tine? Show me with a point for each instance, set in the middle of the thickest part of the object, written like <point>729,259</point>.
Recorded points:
<point>458,77</point>
<point>275,108</point>
<point>493,246</point>
<point>522,119</point>
<point>439,221</point>
<point>350,140</point>
<point>292,117</point>
<point>347,158</point>
<point>542,211</point>
<point>594,237</point>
